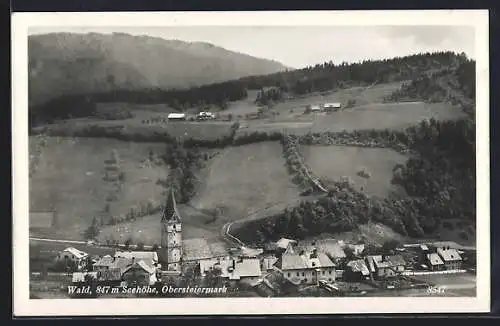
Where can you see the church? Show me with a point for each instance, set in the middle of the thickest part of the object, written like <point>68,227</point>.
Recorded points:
<point>170,252</point>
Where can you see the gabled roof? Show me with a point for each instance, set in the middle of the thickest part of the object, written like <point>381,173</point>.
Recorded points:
<point>283,243</point>
<point>176,115</point>
<point>384,262</point>
<point>329,246</point>
<point>358,266</point>
<point>77,253</point>
<point>291,260</point>
<point>434,259</point>
<point>170,212</point>
<point>141,265</point>
<point>150,257</point>
<point>247,267</point>
<point>449,254</point>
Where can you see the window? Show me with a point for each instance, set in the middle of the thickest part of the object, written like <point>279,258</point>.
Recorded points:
<point>297,273</point>
<point>303,274</point>
<point>305,280</point>
<point>324,272</point>
<point>288,274</point>
<point>314,273</point>
<point>330,272</point>
<point>330,279</point>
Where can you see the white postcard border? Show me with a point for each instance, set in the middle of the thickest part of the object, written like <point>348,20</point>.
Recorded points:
<point>23,306</point>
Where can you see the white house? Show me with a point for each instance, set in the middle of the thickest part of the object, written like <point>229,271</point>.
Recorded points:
<point>149,257</point>
<point>332,106</point>
<point>176,116</point>
<point>76,256</point>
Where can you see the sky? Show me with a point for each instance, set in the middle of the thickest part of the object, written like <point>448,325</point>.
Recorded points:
<point>301,46</point>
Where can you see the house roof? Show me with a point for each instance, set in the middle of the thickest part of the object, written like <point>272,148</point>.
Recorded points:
<point>330,247</point>
<point>77,253</point>
<point>292,260</point>
<point>358,266</point>
<point>247,267</point>
<point>176,115</point>
<point>141,264</point>
<point>150,257</point>
<point>332,104</point>
<point>105,261</point>
<point>384,262</point>
<point>250,252</point>
<point>449,254</point>
<point>283,243</point>
<point>434,259</point>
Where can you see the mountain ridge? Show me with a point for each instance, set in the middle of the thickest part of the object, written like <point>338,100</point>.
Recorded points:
<point>72,63</point>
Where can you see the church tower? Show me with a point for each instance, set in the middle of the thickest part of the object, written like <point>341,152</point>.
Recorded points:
<point>171,236</point>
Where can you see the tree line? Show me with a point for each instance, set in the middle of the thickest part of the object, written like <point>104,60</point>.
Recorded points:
<point>439,180</point>
<point>321,77</point>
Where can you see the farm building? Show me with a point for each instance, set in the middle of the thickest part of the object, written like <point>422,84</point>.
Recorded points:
<point>332,106</point>
<point>79,277</point>
<point>140,273</point>
<point>78,257</point>
<point>315,108</point>
<point>385,266</point>
<point>205,115</point>
<point>149,257</point>
<point>434,262</point>
<point>305,267</point>
<point>176,116</point>
<point>357,270</point>
<point>233,268</point>
<point>332,248</point>
<point>283,243</point>
<point>450,257</point>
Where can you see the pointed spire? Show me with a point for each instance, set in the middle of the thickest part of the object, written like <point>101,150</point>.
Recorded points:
<point>170,211</point>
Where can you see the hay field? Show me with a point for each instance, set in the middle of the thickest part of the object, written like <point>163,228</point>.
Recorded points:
<point>331,163</point>
<point>387,115</point>
<point>245,180</point>
<point>69,180</point>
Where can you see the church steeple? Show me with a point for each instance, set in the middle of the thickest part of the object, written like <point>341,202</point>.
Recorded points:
<point>171,236</point>
<point>170,212</point>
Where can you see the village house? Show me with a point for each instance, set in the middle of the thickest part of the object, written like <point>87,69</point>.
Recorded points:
<point>267,263</point>
<point>284,243</point>
<point>451,258</point>
<point>236,269</point>
<point>139,273</point>
<point>149,257</point>
<point>356,270</point>
<point>383,266</point>
<point>233,269</point>
<point>77,257</point>
<point>434,262</point>
<point>315,108</point>
<point>111,269</point>
<point>306,267</point>
<point>332,248</point>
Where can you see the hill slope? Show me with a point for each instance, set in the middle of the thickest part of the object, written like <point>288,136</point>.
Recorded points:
<point>67,63</point>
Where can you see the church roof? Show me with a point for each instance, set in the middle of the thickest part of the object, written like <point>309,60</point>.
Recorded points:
<point>170,212</point>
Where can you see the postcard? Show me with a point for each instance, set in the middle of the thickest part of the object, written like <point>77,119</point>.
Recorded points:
<point>241,163</point>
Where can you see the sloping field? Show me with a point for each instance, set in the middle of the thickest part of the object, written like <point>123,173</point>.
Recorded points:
<point>331,163</point>
<point>244,180</point>
<point>70,180</point>
<point>135,128</point>
<point>381,116</point>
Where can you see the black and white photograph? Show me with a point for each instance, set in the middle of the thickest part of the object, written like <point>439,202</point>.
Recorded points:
<point>269,163</point>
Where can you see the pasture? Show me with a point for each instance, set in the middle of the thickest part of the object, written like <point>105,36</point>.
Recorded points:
<point>332,163</point>
<point>70,181</point>
<point>243,181</point>
<point>388,115</point>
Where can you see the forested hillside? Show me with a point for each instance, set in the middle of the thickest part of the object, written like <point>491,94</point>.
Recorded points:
<point>322,77</point>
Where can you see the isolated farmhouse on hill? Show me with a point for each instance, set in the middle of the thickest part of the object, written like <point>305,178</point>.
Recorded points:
<point>176,116</point>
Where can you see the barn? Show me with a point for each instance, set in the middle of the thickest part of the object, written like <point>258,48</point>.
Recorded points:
<point>332,106</point>
<point>176,116</point>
